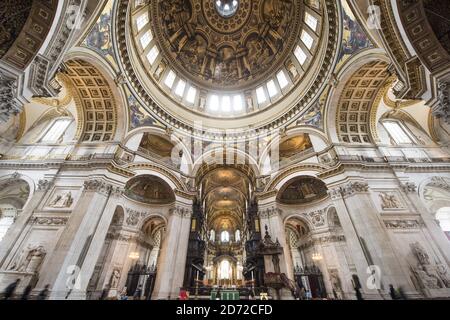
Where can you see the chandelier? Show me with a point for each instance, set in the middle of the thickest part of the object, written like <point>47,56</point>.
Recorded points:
<point>316,256</point>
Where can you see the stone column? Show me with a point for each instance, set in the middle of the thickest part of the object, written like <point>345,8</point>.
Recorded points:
<point>435,232</point>
<point>99,233</point>
<point>73,246</point>
<point>376,246</point>
<point>360,264</point>
<point>172,261</point>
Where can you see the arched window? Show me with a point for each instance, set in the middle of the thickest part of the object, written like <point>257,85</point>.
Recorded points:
<point>7,218</point>
<point>398,132</point>
<point>238,236</point>
<point>212,236</point>
<point>225,236</point>
<point>55,130</point>
<point>443,216</point>
<point>225,270</point>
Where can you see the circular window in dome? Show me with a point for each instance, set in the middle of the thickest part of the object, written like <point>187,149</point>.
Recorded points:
<point>227,8</point>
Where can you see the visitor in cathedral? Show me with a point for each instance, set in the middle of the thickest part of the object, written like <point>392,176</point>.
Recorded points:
<point>26,293</point>
<point>105,292</point>
<point>43,295</point>
<point>9,291</point>
<point>393,293</point>
<point>308,295</point>
<point>138,293</point>
<point>358,294</point>
<point>123,295</point>
<point>219,295</point>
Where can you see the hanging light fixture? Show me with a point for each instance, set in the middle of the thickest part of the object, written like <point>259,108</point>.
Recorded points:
<point>316,256</point>
<point>134,256</point>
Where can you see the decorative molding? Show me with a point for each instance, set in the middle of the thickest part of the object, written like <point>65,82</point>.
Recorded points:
<point>49,221</point>
<point>322,240</point>
<point>268,213</point>
<point>134,217</point>
<point>390,201</point>
<point>441,109</point>
<point>9,107</point>
<point>317,217</point>
<point>45,185</point>
<point>403,224</point>
<point>182,212</point>
<point>348,189</point>
<point>440,182</point>
<point>102,187</point>
<point>409,187</point>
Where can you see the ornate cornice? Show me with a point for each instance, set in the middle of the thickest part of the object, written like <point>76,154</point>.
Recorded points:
<point>167,173</point>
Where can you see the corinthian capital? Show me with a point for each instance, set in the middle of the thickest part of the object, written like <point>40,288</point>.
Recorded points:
<point>267,213</point>
<point>44,185</point>
<point>182,212</point>
<point>98,186</point>
<point>348,189</point>
<point>409,187</point>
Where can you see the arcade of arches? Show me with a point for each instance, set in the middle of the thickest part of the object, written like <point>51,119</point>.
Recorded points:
<point>298,149</point>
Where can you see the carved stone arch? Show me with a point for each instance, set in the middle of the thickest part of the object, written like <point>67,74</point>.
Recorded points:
<point>149,189</point>
<point>375,57</point>
<point>150,217</point>
<point>291,133</point>
<point>308,169</point>
<point>302,190</point>
<point>249,167</point>
<point>300,218</point>
<point>333,218</point>
<point>101,103</point>
<point>22,184</point>
<point>168,176</point>
<point>158,131</point>
<point>119,216</point>
<point>435,193</point>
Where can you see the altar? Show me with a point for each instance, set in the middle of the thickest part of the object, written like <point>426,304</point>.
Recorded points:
<point>225,295</point>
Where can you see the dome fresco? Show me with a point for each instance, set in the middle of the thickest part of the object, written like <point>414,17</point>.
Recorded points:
<point>224,149</point>
<point>227,66</point>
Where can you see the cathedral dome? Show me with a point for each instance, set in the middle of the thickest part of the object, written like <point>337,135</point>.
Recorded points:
<point>209,60</point>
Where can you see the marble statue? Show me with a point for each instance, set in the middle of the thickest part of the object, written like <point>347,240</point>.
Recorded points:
<point>62,200</point>
<point>420,254</point>
<point>335,280</point>
<point>29,260</point>
<point>428,280</point>
<point>115,277</point>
